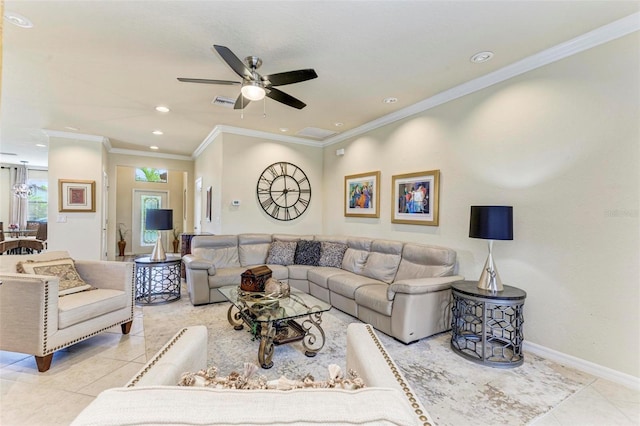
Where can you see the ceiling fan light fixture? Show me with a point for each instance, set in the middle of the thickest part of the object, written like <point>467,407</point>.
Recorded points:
<point>253,91</point>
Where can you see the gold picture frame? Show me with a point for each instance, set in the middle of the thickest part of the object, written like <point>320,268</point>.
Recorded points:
<point>76,196</point>
<point>416,198</point>
<point>362,195</point>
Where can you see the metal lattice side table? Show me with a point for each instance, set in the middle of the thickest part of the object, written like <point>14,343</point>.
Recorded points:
<point>157,281</point>
<point>486,327</point>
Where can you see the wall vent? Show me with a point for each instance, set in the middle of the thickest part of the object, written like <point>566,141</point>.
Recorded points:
<point>224,102</point>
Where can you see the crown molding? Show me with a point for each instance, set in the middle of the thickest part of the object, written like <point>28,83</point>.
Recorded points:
<point>76,136</point>
<point>604,34</point>
<point>150,154</point>
<point>221,129</point>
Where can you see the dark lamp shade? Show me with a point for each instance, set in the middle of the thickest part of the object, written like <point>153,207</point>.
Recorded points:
<point>491,222</point>
<point>159,219</point>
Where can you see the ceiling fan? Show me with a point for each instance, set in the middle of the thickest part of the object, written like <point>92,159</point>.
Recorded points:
<point>255,86</point>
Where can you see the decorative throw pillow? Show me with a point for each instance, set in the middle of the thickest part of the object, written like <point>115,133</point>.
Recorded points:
<point>331,254</point>
<point>64,269</point>
<point>282,253</point>
<point>308,253</point>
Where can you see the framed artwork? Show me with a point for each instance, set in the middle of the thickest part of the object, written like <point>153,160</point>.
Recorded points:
<point>208,204</point>
<point>362,195</point>
<point>416,198</point>
<point>76,195</point>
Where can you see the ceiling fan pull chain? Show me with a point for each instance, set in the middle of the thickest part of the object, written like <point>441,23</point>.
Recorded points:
<point>264,107</point>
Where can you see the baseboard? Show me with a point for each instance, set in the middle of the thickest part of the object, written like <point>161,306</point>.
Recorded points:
<point>582,365</point>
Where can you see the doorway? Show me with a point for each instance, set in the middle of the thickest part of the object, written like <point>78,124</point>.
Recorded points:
<point>143,239</point>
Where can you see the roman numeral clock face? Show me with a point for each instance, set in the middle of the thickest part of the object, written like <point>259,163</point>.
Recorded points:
<point>284,191</point>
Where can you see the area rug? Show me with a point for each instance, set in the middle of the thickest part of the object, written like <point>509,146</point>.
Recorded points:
<point>454,391</point>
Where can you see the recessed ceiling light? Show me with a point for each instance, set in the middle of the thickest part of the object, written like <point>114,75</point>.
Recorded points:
<point>284,129</point>
<point>338,124</point>
<point>158,132</point>
<point>481,57</point>
<point>390,100</point>
<point>18,20</point>
<point>41,145</point>
<point>154,147</point>
<point>71,128</point>
<point>161,108</point>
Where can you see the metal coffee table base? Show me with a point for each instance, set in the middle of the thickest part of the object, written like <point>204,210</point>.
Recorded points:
<point>280,332</point>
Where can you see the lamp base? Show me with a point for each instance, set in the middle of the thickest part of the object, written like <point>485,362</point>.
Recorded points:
<point>158,254</point>
<point>490,279</point>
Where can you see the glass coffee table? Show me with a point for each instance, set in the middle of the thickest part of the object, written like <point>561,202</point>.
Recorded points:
<point>273,320</point>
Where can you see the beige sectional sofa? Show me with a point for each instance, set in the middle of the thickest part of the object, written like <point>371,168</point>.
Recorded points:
<point>152,397</point>
<point>402,289</point>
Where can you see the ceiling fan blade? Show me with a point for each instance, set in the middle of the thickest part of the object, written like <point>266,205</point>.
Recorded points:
<point>234,62</point>
<point>241,102</point>
<point>205,81</point>
<point>290,77</point>
<point>280,96</point>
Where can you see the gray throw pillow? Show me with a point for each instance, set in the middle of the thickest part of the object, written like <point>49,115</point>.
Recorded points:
<point>331,254</point>
<point>282,253</point>
<point>308,253</point>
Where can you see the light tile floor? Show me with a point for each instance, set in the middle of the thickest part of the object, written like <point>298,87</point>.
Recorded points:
<point>107,360</point>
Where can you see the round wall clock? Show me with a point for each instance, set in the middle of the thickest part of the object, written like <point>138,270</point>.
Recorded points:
<point>284,191</point>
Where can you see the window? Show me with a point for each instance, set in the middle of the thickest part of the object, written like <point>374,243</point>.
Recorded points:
<point>37,203</point>
<point>148,237</point>
<point>149,174</point>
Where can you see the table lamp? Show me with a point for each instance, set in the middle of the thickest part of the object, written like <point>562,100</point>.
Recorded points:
<point>159,220</point>
<point>491,223</point>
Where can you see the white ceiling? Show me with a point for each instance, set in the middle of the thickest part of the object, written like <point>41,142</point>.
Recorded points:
<point>102,66</point>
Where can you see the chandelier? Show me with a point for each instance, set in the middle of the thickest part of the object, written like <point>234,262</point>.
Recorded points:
<point>21,189</point>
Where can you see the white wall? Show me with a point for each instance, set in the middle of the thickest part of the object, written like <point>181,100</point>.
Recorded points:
<point>74,159</point>
<point>561,145</point>
<point>232,165</point>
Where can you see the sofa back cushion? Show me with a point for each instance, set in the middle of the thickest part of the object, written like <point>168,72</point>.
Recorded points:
<point>291,237</point>
<point>356,255</point>
<point>220,250</point>
<point>383,260</point>
<point>425,261</point>
<point>253,248</point>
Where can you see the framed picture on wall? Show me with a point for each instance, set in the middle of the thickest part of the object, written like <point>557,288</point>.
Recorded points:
<point>76,195</point>
<point>362,195</point>
<point>208,204</point>
<point>416,198</point>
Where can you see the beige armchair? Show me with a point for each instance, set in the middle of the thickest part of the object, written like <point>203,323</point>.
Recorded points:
<point>36,319</point>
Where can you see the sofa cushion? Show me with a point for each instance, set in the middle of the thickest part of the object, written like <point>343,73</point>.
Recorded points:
<point>279,272</point>
<point>346,284</point>
<point>425,261</point>
<point>226,276</point>
<point>321,275</point>
<point>64,269</point>
<point>297,407</point>
<point>80,307</point>
<point>291,237</point>
<point>375,298</point>
<point>307,253</point>
<point>354,260</point>
<point>253,248</point>
<point>331,254</point>
<point>382,262</point>
<point>223,257</point>
<point>282,253</point>
<point>299,272</point>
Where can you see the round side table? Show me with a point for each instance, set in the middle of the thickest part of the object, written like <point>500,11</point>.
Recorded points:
<point>157,281</point>
<point>486,327</point>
